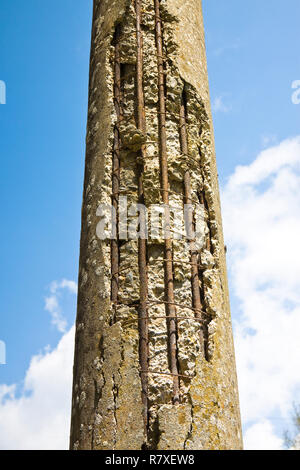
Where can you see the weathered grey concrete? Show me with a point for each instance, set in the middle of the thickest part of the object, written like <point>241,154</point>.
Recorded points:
<point>107,405</point>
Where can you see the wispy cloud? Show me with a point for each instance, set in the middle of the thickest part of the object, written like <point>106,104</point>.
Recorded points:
<point>219,106</point>
<point>2,92</point>
<point>261,210</point>
<point>227,48</point>
<point>52,302</point>
<point>268,139</point>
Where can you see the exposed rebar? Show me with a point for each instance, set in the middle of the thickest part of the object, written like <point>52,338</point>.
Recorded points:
<point>190,228</point>
<point>167,374</point>
<point>169,280</point>
<point>142,243</point>
<point>209,247</point>
<point>116,168</point>
<point>203,201</point>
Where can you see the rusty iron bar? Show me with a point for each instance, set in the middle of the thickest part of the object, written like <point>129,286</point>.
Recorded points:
<point>191,161</point>
<point>124,269</point>
<point>145,143</point>
<point>149,142</point>
<point>166,373</point>
<point>169,280</point>
<point>179,262</point>
<point>161,260</point>
<point>123,191</point>
<point>158,302</point>
<point>209,247</point>
<point>195,280</point>
<point>203,201</point>
<point>191,158</point>
<point>154,113</point>
<point>142,242</point>
<point>134,190</point>
<point>171,232</point>
<point>164,317</point>
<point>155,15</point>
<point>129,321</point>
<point>162,302</point>
<point>116,168</point>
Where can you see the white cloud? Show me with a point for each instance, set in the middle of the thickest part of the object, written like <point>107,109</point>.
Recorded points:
<point>39,416</point>
<point>39,419</point>
<point>64,284</point>
<point>261,211</point>
<point>52,302</point>
<point>218,105</point>
<point>261,436</point>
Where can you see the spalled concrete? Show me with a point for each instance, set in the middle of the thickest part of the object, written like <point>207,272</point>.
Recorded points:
<point>107,405</point>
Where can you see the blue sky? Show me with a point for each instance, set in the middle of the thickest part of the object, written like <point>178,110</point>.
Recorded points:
<point>253,59</point>
<point>44,53</point>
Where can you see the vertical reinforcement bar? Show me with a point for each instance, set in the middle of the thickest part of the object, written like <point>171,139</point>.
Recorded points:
<point>203,201</point>
<point>142,248</point>
<point>196,292</point>
<point>116,169</point>
<point>209,247</point>
<point>169,281</point>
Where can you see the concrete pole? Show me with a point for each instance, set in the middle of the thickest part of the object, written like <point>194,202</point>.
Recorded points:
<point>154,358</point>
